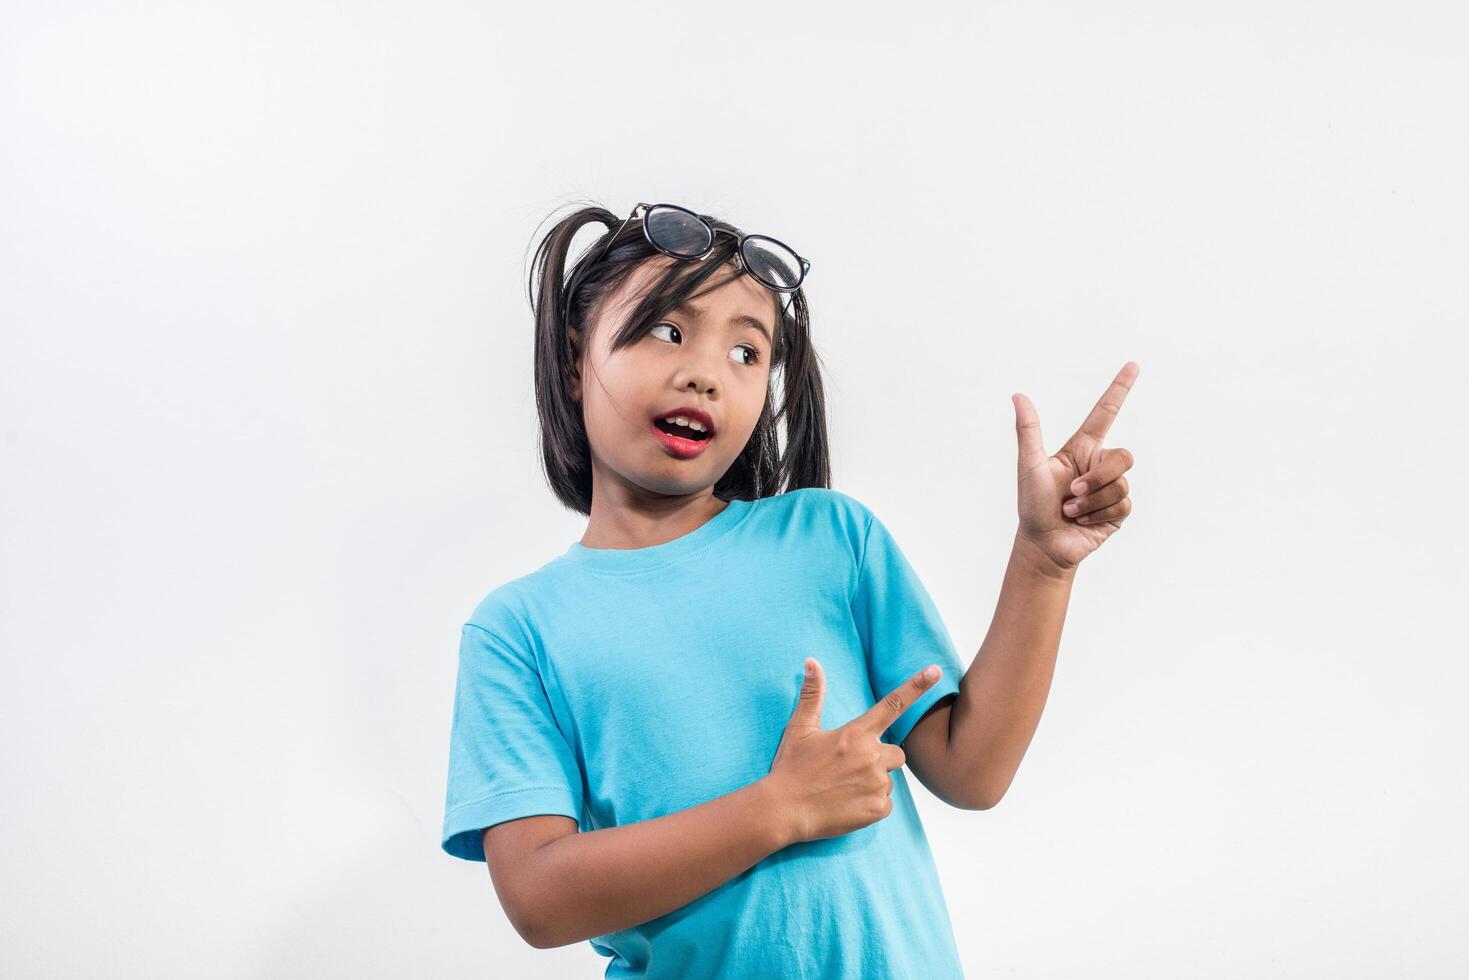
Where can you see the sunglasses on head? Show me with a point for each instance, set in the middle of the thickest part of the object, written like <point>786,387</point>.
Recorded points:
<point>682,234</point>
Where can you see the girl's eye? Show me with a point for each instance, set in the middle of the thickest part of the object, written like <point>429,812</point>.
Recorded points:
<point>754,354</point>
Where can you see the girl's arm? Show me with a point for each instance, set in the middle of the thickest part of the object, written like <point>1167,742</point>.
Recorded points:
<point>1069,504</point>
<point>581,885</point>
<point>1004,691</point>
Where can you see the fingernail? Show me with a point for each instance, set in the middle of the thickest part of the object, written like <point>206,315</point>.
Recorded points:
<point>808,668</point>
<point>1078,487</point>
<point>1071,507</point>
<point>930,672</point>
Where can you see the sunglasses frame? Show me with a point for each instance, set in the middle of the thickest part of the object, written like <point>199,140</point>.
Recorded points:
<point>739,248</point>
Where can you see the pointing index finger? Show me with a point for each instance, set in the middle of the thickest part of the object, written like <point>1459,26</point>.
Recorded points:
<point>886,711</point>
<point>1100,419</point>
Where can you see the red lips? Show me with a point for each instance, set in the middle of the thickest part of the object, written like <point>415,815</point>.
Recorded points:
<point>678,445</point>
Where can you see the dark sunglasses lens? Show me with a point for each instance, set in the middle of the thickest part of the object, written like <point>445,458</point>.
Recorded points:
<point>678,232</point>
<point>772,263</point>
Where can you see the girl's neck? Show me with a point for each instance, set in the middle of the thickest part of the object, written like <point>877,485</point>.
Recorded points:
<point>621,525</point>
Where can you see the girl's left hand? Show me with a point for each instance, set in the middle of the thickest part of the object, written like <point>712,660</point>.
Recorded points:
<point>1065,521</point>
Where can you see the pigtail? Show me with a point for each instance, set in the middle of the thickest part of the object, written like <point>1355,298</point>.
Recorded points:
<point>558,316</point>
<point>806,461</point>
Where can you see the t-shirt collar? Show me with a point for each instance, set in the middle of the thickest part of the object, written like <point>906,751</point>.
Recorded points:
<point>655,556</point>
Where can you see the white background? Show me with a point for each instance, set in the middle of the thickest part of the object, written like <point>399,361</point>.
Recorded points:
<point>267,435</point>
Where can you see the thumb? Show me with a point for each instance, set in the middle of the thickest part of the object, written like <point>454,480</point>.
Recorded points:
<point>808,706</point>
<point>1028,432</point>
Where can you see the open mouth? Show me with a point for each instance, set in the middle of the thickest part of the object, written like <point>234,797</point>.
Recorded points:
<point>682,431</point>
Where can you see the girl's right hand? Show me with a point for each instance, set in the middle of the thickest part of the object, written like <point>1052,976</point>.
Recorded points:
<point>828,783</point>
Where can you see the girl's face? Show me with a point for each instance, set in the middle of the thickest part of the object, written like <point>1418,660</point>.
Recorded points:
<point>712,356</point>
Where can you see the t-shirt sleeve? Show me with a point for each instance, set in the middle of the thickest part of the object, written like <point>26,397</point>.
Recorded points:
<point>507,757</point>
<point>901,629</point>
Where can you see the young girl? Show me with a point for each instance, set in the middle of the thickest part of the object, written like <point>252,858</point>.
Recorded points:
<point>683,738</point>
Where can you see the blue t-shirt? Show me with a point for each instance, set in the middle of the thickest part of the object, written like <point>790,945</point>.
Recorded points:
<point>618,685</point>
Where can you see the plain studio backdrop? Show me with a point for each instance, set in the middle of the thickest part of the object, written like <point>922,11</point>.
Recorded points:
<point>269,435</point>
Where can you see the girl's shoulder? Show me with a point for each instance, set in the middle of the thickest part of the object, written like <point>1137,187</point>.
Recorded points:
<point>837,507</point>
<point>834,502</point>
<point>507,610</point>
<point>820,515</point>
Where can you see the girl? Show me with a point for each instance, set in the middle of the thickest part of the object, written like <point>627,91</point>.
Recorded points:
<point>683,738</point>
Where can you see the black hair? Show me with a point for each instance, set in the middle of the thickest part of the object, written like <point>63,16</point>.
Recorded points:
<point>564,305</point>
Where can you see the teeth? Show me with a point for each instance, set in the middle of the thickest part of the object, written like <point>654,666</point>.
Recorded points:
<point>694,424</point>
